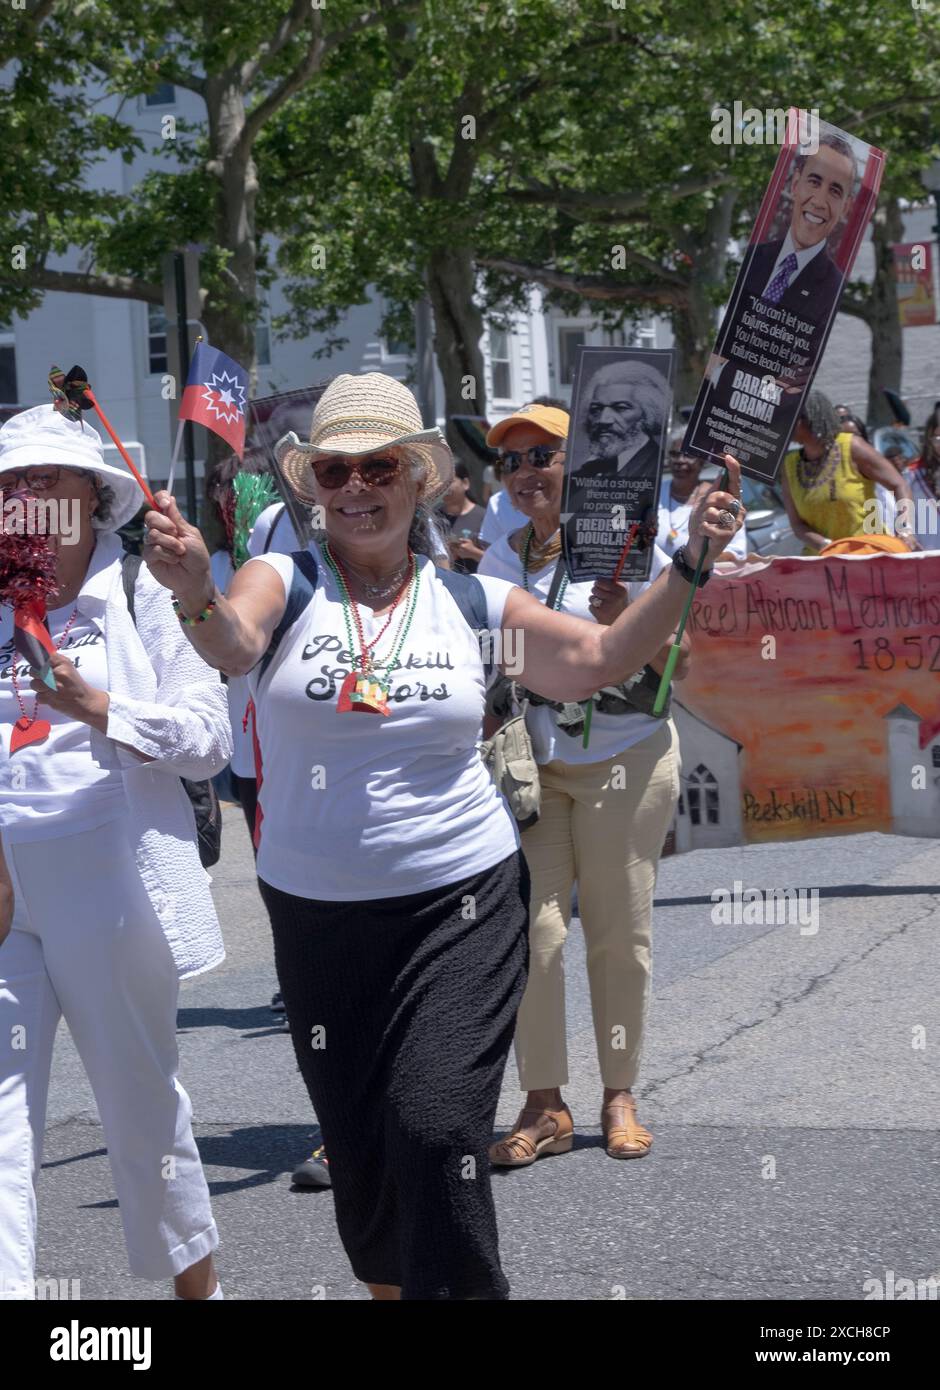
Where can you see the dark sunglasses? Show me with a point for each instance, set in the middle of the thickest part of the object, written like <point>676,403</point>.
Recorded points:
<point>373,472</point>
<point>539,456</point>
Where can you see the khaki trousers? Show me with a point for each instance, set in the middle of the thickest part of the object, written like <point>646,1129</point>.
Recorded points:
<point>602,825</point>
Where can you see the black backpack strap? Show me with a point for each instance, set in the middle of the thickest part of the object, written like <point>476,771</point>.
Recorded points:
<point>274,525</point>
<point>130,569</point>
<point>302,588</point>
<point>470,597</point>
<point>561,571</point>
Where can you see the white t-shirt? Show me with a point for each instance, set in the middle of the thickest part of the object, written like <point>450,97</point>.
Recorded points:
<point>610,733</point>
<point>284,540</point>
<point>360,805</point>
<point>674,526</point>
<point>501,518</point>
<point>54,788</point>
<point>243,757</point>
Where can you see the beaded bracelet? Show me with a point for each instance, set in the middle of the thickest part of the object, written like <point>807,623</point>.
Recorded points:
<point>199,618</point>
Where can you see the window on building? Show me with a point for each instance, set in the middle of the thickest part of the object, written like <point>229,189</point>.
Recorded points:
<point>164,95</point>
<point>569,340</point>
<point>935,755</point>
<point>703,797</point>
<point>395,347</point>
<point>9,395</point>
<point>156,340</point>
<point>500,364</point>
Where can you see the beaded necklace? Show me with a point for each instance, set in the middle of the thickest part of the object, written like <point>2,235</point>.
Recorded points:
<point>821,472</point>
<point>362,691</point>
<point>525,569</point>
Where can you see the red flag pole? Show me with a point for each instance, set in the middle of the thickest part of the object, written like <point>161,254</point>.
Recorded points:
<point>120,448</point>
<point>626,551</point>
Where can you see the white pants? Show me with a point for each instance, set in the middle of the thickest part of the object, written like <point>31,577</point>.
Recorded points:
<point>87,944</point>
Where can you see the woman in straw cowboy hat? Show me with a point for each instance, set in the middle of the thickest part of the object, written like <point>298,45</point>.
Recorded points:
<point>111,906</point>
<point>389,862</point>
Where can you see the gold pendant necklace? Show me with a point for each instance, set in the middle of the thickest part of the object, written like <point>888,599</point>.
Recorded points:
<point>542,553</point>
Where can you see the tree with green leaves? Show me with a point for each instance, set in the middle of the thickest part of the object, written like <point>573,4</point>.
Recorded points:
<point>647,220</point>
<point>591,168</point>
<point>244,62</point>
<point>400,148</point>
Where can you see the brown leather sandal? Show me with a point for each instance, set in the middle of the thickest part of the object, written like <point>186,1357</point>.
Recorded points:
<point>625,1136</point>
<point>518,1150</point>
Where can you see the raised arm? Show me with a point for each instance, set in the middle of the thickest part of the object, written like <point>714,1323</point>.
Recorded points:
<point>236,635</point>
<point>878,469</point>
<point>566,658</point>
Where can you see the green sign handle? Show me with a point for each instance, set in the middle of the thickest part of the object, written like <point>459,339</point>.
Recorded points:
<point>674,650</point>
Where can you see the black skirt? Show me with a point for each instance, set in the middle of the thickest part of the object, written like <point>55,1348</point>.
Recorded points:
<point>402,1013</point>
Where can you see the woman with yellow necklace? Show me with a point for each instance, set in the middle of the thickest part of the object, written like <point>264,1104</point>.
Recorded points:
<point>829,487</point>
<point>605,812</point>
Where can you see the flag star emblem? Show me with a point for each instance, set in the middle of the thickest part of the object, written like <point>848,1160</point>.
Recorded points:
<point>224,396</point>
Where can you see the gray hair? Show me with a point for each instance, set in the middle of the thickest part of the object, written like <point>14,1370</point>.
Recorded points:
<point>105,495</point>
<point>820,416</point>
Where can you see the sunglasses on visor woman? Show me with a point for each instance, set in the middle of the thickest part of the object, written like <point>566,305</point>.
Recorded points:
<point>373,472</point>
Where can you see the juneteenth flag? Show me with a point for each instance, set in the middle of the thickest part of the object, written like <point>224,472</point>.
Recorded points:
<point>31,638</point>
<point>216,396</point>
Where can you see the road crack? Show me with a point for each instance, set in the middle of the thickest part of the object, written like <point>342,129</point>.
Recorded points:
<point>706,1058</point>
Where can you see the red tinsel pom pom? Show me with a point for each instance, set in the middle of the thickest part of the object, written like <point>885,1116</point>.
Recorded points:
<point>27,562</point>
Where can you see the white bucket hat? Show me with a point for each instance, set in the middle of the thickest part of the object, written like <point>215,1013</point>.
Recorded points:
<point>357,415</point>
<point>43,435</point>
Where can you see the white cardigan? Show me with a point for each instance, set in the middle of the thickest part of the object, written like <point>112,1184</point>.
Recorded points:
<point>170,706</point>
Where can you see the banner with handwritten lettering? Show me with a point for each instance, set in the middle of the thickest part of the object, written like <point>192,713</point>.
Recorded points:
<point>810,225</point>
<point>812,706</point>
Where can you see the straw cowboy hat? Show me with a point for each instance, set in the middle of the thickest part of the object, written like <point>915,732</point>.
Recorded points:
<point>361,414</point>
<point>43,435</point>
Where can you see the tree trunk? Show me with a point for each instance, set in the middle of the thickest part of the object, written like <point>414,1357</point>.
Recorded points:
<point>694,324</point>
<point>887,347</point>
<point>230,310</point>
<point>458,328</point>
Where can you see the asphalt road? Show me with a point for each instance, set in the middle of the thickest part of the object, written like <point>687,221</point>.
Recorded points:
<point>796,1148</point>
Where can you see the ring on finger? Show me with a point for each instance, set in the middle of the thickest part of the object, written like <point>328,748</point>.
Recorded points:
<point>734,507</point>
<point>725,519</point>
